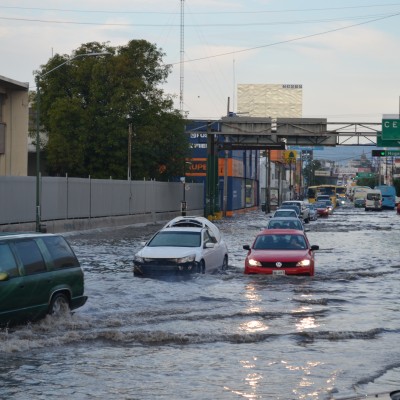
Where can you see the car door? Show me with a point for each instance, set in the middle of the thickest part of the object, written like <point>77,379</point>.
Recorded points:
<point>212,255</point>
<point>33,292</point>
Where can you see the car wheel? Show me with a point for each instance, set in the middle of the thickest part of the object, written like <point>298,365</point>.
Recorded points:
<point>225,264</point>
<point>59,304</point>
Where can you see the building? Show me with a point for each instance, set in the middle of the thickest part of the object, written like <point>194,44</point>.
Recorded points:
<point>270,100</point>
<point>14,116</point>
<point>274,101</point>
<point>237,180</point>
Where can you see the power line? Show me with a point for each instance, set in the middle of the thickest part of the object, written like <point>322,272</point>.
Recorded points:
<point>199,13</point>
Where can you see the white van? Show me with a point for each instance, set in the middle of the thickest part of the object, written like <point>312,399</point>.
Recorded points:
<point>373,200</point>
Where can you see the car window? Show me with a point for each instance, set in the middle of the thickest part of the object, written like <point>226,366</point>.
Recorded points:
<point>208,237</point>
<point>30,255</point>
<point>61,253</point>
<point>280,242</point>
<point>176,239</point>
<point>7,261</point>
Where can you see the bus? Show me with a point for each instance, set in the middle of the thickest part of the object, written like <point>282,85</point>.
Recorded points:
<point>388,196</point>
<point>314,191</point>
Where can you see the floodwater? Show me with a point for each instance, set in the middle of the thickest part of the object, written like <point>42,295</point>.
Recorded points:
<point>223,336</point>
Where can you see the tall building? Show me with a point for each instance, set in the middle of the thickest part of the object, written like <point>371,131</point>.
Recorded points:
<point>270,100</point>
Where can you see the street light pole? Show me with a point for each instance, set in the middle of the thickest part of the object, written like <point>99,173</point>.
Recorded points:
<point>38,174</point>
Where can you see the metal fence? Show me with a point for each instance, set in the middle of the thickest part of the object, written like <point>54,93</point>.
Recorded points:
<point>70,198</point>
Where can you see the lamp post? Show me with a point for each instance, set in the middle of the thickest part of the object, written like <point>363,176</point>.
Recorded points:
<point>38,78</point>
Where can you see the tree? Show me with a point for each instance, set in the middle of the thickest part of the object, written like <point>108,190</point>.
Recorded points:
<point>87,104</point>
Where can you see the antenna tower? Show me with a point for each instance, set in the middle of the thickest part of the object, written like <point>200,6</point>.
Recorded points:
<point>182,54</point>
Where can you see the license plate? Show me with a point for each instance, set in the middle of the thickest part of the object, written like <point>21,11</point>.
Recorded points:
<point>278,272</point>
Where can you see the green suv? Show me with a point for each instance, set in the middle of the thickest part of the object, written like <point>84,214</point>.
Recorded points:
<point>39,275</point>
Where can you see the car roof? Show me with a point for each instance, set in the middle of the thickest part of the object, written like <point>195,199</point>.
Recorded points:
<point>19,235</point>
<point>194,221</point>
<point>281,232</point>
<point>285,219</point>
<point>182,229</point>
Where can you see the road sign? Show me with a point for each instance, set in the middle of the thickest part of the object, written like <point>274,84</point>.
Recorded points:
<point>385,153</point>
<point>390,129</point>
<point>387,143</point>
<point>290,156</point>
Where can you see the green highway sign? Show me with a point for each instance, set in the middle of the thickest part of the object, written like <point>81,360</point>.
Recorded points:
<point>390,129</point>
<point>387,143</point>
<point>385,153</point>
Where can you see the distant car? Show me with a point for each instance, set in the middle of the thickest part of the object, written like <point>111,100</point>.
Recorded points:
<point>312,211</point>
<point>359,203</point>
<point>323,197</point>
<point>184,246</point>
<point>285,212</point>
<point>285,223</point>
<point>329,205</point>
<point>39,275</point>
<point>304,212</point>
<point>322,208</point>
<point>280,252</point>
<point>291,207</point>
<point>373,200</point>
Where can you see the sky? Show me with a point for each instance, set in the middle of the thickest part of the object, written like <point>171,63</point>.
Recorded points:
<point>345,54</point>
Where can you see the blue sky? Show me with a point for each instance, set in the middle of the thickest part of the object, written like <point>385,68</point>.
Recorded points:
<point>344,53</point>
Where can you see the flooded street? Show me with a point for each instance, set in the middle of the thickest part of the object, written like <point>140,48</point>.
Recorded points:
<point>223,336</point>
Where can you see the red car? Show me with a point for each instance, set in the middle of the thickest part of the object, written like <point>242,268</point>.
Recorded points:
<point>322,209</point>
<point>280,252</point>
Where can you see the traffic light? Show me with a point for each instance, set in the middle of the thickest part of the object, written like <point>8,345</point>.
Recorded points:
<point>378,153</point>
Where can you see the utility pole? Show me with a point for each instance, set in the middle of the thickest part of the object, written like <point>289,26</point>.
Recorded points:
<point>182,55</point>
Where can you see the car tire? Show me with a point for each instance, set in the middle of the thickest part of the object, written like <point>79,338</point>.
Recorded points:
<point>59,305</point>
<point>225,264</point>
<point>202,267</point>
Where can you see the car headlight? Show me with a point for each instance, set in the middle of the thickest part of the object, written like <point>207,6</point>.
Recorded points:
<point>187,259</point>
<point>254,263</point>
<point>303,263</point>
<point>138,259</point>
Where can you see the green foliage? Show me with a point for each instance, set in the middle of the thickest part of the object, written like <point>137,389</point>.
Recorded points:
<point>87,104</point>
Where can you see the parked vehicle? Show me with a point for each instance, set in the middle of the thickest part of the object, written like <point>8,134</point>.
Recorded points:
<point>39,275</point>
<point>388,196</point>
<point>304,211</point>
<point>280,252</point>
<point>373,200</point>
<point>285,223</point>
<point>184,246</point>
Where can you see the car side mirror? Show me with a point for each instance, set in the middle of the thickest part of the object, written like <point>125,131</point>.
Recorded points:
<point>314,247</point>
<point>209,245</point>
<point>246,247</point>
<point>4,276</point>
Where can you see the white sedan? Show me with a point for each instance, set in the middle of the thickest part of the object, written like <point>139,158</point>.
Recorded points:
<point>184,246</point>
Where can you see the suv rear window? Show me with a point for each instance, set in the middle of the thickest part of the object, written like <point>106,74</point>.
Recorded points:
<point>61,254</point>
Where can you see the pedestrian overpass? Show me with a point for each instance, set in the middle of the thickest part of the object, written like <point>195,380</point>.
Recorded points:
<point>258,133</point>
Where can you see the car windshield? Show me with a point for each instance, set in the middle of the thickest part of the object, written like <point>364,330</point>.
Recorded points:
<point>285,213</point>
<point>284,224</point>
<point>280,242</point>
<point>176,239</point>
